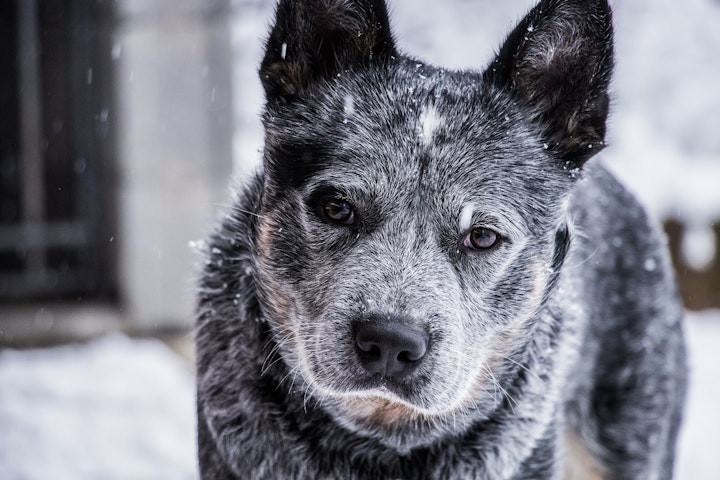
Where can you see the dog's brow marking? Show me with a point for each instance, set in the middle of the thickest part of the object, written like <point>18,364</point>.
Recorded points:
<point>429,122</point>
<point>466,216</point>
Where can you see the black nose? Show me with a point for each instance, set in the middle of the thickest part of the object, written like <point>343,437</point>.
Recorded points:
<point>389,348</point>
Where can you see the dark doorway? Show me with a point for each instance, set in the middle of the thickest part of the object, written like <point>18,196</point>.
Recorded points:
<point>57,213</point>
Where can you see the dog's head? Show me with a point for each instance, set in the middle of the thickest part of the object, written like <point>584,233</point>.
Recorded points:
<point>413,218</point>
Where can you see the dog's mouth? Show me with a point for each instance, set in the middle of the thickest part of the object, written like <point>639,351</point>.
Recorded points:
<point>376,396</point>
<point>389,400</point>
<point>381,410</point>
<point>376,389</point>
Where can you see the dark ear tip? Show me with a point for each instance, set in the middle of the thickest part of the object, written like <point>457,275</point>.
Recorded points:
<point>313,40</point>
<point>277,78</point>
<point>557,63</point>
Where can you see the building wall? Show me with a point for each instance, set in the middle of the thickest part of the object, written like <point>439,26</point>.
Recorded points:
<point>174,101</point>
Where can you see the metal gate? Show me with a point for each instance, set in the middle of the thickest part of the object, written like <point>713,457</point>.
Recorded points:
<point>56,149</point>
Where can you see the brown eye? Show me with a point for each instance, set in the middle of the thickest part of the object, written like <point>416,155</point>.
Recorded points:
<point>481,239</point>
<point>339,211</point>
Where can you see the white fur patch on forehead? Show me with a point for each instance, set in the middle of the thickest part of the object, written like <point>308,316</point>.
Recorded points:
<point>429,123</point>
<point>349,105</point>
<point>466,217</point>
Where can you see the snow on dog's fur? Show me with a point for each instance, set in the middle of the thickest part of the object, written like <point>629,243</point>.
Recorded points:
<point>422,282</point>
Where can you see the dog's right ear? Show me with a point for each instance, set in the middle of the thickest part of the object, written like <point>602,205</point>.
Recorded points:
<point>557,63</point>
<point>314,40</point>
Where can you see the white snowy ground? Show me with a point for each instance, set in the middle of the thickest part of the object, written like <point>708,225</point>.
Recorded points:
<point>123,409</point>
<point>111,409</point>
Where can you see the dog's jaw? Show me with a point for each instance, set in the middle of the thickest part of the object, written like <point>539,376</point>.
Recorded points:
<point>396,424</point>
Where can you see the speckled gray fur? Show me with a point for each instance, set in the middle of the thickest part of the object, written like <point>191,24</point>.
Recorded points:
<point>568,326</point>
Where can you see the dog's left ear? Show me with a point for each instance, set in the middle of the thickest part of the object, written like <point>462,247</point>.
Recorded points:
<point>314,40</point>
<point>557,63</point>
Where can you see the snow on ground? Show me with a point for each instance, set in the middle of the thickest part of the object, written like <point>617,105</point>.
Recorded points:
<point>123,409</point>
<point>699,444</point>
<point>111,409</point>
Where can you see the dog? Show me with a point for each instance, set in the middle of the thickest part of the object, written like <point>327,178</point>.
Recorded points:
<point>433,276</point>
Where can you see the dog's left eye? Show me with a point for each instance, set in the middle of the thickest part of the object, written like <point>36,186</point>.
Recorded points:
<point>339,211</point>
<point>481,238</point>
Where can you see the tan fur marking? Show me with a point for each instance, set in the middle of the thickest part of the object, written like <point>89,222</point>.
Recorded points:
<point>381,411</point>
<point>579,462</point>
<point>541,275</point>
<point>264,238</point>
<point>280,303</point>
<point>483,384</point>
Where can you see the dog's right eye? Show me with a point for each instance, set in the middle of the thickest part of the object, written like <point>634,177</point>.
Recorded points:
<point>339,211</point>
<point>480,238</point>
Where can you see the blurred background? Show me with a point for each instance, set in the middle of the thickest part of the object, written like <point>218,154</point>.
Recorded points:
<point>122,126</point>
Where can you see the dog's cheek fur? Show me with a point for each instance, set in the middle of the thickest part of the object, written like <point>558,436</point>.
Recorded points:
<point>294,295</point>
<point>509,303</point>
<point>301,262</point>
<point>277,300</point>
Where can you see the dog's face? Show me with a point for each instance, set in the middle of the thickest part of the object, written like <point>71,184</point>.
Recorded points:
<point>413,218</point>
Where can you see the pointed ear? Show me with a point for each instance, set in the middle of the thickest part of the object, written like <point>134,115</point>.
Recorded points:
<point>314,40</point>
<point>558,62</point>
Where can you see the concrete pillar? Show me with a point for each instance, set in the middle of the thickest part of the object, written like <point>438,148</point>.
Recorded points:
<point>173,84</point>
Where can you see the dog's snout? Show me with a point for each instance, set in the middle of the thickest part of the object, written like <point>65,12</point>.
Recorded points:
<point>389,348</point>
